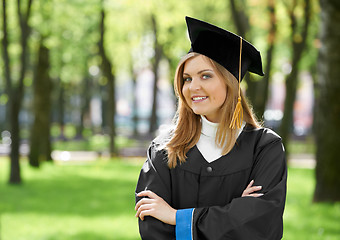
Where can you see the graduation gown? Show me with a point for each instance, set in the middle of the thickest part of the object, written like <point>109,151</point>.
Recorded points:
<point>211,192</point>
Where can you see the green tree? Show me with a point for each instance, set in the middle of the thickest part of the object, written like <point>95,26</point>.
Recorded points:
<point>158,48</point>
<point>298,42</point>
<point>6,60</point>
<point>261,96</point>
<point>40,141</point>
<point>16,88</point>
<point>40,144</point>
<point>163,22</point>
<point>108,72</point>
<point>257,90</point>
<point>242,23</point>
<point>328,107</point>
<point>134,99</point>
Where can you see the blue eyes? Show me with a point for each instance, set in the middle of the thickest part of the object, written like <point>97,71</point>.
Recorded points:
<point>204,77</point>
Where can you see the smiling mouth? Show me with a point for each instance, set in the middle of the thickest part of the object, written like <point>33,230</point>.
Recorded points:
<point>198,99</point>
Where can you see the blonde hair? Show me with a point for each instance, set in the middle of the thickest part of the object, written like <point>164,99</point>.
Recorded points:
<point>187,130</point>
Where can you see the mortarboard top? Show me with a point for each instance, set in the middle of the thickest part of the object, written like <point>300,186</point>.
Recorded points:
<point>223,47</point>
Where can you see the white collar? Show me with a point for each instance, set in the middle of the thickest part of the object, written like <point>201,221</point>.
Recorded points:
<point>208,128</point>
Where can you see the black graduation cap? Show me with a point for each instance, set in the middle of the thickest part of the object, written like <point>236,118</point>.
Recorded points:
<point>224,47</point>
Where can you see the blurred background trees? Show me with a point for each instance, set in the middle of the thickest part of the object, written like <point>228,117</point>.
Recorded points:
<point>97,75</point>
<point>15,76</point>
<point>328,105</point>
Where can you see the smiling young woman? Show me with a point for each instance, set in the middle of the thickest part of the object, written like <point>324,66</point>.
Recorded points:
<point>217,174</point>
<point>203,89</point>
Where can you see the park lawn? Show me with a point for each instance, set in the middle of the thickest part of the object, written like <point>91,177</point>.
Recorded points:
<point>90,201</point>
<point>95,200</point>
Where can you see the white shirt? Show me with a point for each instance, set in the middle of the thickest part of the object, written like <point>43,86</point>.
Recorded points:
<point>206,144</point>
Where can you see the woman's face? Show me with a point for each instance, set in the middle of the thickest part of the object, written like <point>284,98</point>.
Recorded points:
<point>203,90</point>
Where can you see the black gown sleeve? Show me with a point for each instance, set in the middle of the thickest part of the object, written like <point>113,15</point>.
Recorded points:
<point>155,176</point>
<point>253,218</point>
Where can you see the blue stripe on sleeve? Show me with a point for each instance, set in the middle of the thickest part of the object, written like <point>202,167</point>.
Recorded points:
<point>184,224</point>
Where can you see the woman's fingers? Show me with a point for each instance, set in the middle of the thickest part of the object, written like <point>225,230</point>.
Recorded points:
<point>155,206</point>
<point>144,210</point>
<point>147,193</point>
<point>144,206</point>
<point>249,191</point>
<point>250,184</point>
<point>143,201</point>
<point>145,213</point>
<point>256,195</point>
<point>252,189</point>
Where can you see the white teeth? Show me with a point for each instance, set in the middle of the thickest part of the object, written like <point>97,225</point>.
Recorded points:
<point>198,98</point>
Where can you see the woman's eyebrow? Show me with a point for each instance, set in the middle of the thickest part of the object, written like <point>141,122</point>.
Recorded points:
<point>205,70</point>
<point>199,72</point>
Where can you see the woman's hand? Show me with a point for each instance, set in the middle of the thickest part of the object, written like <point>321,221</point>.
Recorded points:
<point>250,189</point>
<point>156,207</point>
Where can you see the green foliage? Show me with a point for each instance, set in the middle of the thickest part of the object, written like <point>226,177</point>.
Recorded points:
<point>70,131</point>
<point>3,99</point>
<point>87,132</point>
<point>55,130</point>
<point>70,31</point>
<point>99,141</point>
<point>95,201</point>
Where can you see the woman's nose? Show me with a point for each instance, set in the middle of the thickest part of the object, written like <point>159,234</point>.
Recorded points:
<point>195,84</point>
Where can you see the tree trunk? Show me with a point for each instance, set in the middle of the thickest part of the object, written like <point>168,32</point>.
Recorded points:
<point>40,133</point>
<point>107,72</point>
<point>264,84</point>
<point>5,56</point>
<point>111,113</point>
<point>85,104</point>
<point>328,108</point>
<point>257,91</point>
<point>240,18</point>
<point>104,107</point>
<point>18,92</point>
<point>134,100</point>
<point>298,44</point>
<point>241,21</point>
<point>61,109</point>
<point>155,65</point>
<point>15,176</point>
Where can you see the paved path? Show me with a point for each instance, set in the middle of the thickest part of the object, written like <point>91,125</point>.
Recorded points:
<point>302,160</point>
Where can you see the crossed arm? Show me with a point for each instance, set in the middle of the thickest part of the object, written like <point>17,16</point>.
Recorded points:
<point>156,207</point>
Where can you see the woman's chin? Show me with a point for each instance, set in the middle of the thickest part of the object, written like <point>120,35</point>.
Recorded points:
<point>198,112</point>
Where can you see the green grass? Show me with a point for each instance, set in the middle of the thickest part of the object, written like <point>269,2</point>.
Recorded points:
<point>306,146</point>
<point>94,201</point>
<point>304,219</point>
<point>85,202</point>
